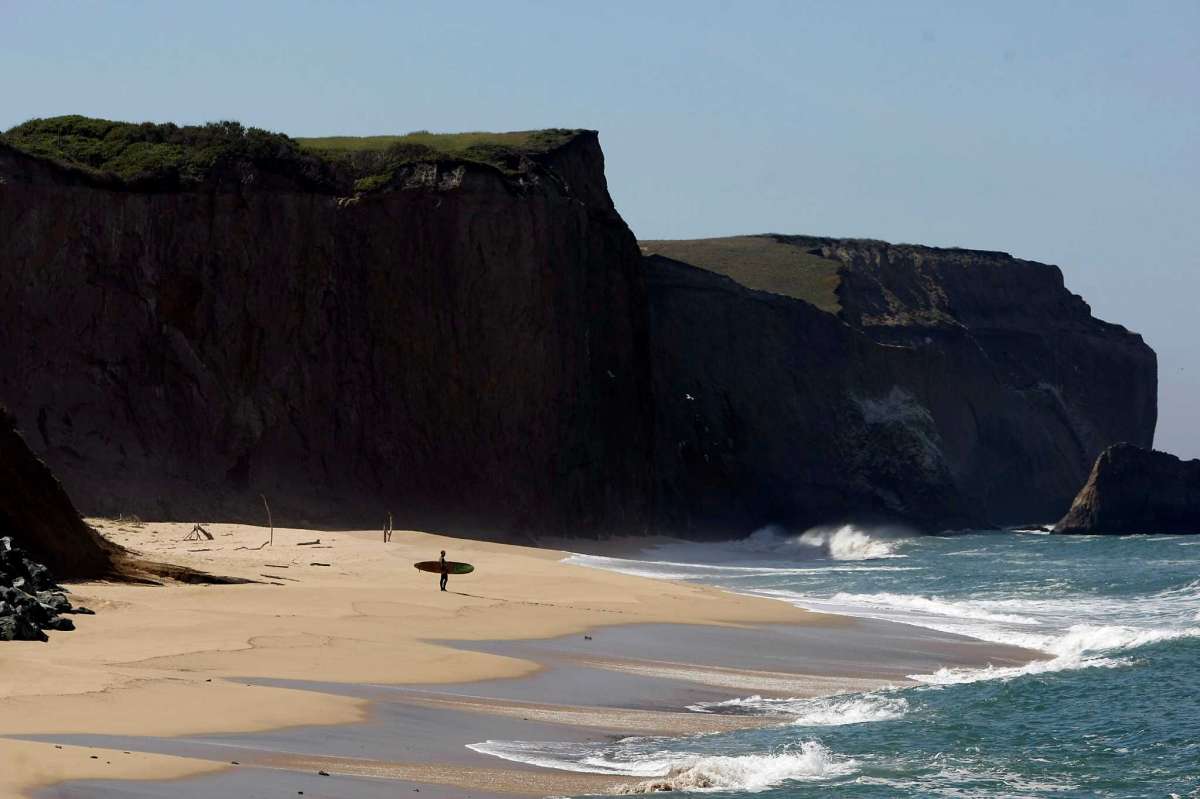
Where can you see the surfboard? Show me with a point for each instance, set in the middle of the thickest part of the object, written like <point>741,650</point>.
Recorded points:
<point>452,567</point>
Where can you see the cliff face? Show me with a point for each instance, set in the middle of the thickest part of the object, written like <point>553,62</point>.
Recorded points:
<point>480,344</point>
<point>947,387</point>
<point>1136,490</point>
<point>466,347</point>
<point>36,512</point>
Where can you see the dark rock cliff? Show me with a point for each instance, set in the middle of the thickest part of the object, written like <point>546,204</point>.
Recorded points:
<point>945,387</point>
<point>36,512</point>
<point>479,345</point>
<point>466,347</point>
<point>1136,490</point>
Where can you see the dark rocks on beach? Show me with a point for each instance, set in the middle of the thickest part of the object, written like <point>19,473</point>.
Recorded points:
<point>30,600</point>
<point>1136,490</point>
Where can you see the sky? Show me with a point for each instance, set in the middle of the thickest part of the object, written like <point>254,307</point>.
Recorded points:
<point>1067,132</point>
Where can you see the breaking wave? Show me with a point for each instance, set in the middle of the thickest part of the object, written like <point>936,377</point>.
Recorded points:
<point>849,543</point>
<point>1083,646</point>
<point>768,552</point>
<point>1118,625</point>
<point>828,711</point>
<point>676,771</point>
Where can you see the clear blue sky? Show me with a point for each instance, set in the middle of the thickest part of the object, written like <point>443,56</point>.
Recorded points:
<point>1062,132</point>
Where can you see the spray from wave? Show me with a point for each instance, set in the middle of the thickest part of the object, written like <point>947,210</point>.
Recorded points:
<point>842,542</point>
<point>850,543</point>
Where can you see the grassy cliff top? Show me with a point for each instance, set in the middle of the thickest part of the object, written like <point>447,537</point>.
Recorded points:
<point>763,263</point>
<point>374,160</point>
<point>188,153</point>
<point>453,145</point>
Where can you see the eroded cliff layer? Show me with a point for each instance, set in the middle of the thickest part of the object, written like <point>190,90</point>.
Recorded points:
<point>803,380</point>
<point>1136,490</point>
<point>461,344</point>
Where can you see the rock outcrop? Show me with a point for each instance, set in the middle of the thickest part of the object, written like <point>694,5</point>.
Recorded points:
<point>801,380</point>
<point>464,347</point>
<point>31,602</point>
<point>1137,490</point>
<point>36,512</point>
<point>40,531</point>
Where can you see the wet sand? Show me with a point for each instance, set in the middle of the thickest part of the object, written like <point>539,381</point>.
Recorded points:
<point>626,680</point>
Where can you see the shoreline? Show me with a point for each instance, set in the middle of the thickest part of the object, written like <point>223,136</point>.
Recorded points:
<point>230,660</point>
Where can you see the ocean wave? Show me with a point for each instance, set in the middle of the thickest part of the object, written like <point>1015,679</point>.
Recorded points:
<point>666,771</point>
<point>768,552</point>
<point>936,606</point>
<point>828,711</point>
<point>849,543</point>
<point>901,607</point>
<point>1083,646</point>
<point>751,773</point>
<point>677,570</point>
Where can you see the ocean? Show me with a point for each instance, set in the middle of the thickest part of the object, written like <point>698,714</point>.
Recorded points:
<point>1115,711</point>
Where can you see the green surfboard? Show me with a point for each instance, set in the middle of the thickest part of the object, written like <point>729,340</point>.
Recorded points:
<point>452,567</point>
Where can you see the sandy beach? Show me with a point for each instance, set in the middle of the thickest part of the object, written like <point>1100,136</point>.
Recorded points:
<point>164,682</point>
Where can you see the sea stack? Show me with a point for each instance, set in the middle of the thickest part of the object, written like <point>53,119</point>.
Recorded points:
<point>1136,490</point>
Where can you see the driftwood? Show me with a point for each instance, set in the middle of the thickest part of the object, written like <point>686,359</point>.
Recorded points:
<point>198,533</point>
<point>275,566</point>
<point>253,549</point>
<point>279,577</point>
<point>308,543</point>
<point>318,564</point>
<point>387,529</point>
<point>270,542</point>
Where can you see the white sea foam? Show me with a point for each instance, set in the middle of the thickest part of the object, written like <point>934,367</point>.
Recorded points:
<point>664,770</point>
<point>1033,623</point>
<point>1076,630</point>
<point>849,543</point>
<point>1083,646</point>
<point>828,711</point>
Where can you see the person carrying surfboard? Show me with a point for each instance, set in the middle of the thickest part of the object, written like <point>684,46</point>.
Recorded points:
<point>444,568</point>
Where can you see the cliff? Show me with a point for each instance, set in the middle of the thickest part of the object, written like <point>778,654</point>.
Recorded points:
<point>1136,490</point>
<point>464,344</point>
<point>799,378</point>
<point>36,512</point>
<point>461,330</point>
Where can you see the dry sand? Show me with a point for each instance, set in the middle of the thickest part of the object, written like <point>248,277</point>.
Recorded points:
<point>165,660</point>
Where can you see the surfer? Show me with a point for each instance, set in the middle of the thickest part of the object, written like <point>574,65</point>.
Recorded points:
<point>445,571</point>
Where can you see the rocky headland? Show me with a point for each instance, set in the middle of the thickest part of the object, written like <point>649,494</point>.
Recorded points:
<point>1136,490</point>
<point>798,378</point>
<point>463,331</point>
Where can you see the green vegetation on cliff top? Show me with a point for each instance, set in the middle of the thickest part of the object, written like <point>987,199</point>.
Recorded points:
<point>168,153</point>
<point>374,160</point>
<point>764,263</point>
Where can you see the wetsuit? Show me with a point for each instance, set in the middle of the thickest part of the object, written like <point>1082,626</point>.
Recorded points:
<point>445,574</point>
